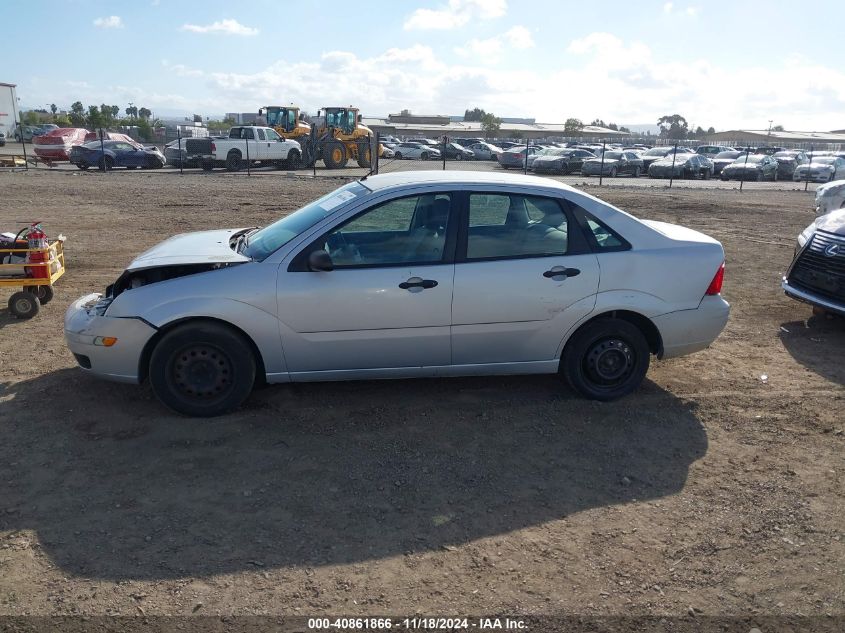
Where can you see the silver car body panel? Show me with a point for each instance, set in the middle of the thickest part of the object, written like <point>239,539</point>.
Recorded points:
<point>483,317</point>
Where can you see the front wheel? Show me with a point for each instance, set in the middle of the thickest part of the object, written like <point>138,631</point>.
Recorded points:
<point>613,172</point>
<point>202,369</point>
<point>82,165</point>
<point>233,161</point>
<point>424,156</point>
<point>106,163</point>
<point>606,359</point>
<point>398,156</point>
<point>636,173</point>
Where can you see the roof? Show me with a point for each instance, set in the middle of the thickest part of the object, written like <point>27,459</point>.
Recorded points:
<point>774,135</point>
<point>400,178</point>
<point>8,85</point>
<point>473,128</point>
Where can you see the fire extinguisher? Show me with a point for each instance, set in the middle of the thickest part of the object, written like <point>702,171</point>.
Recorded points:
<point>37,239</point>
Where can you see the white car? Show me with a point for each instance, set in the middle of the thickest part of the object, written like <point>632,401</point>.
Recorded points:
<point>822,169</point>
<point>485,151</point>
<point>830,196</point>
<point>416,151</point>
<point>408,274</point>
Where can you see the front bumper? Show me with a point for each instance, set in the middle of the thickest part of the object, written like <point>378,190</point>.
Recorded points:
<point>806,296</point>
<point>688,331</point>
<point>814,177</point>
<point>120,362</point>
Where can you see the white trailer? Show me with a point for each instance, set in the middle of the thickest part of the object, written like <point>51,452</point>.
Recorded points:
<point>8,109</point>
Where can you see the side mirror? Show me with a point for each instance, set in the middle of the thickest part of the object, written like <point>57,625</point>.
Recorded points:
<point>320,261</point>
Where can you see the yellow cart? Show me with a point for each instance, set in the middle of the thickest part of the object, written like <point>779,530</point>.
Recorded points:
<point>36,276</point>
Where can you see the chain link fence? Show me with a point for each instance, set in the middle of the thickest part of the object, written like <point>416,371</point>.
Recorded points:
<point>353,155</point>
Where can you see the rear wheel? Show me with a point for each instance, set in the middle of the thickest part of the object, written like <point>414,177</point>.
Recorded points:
<point>202,369</point>
<point>83,165</point>
<point>207,165</point>
<point>154,163</point>
<point>24,305</point>
<point>398,155</point>
<point>424,156</point>
<point>759,177</point>
<point>44,293</point>
<point>233,161</point>
<point>106,163</point>
<point>636,173</point>
<point>606,359</point>
<point>612,172</point>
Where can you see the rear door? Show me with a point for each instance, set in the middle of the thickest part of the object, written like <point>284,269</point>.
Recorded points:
<point>524,274</point>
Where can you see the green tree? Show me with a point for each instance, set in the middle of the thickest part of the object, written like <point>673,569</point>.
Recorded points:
<point>778,128</point>
<point>94,118</point>
<point>476,114</point>
<point>145,130</point>
<point>711,130</point>
<point>30,118</point>
<point>572,126</point>
<point>144,113</point>
<point>490,125</point>
<point>132,111</point>
<point>673,126</point>
<point>77,114</point>
<point>598,123</point>
<point>53,109</point>
<point>62,120</point>
<point>115,111</point>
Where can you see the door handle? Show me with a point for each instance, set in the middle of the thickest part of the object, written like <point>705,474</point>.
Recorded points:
<point>418,282</point>
<point>560,271</point>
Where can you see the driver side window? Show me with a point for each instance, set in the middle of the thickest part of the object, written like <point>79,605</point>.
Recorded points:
<point>398,232</point>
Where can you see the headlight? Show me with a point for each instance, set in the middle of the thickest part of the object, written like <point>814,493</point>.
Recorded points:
<point>806,234</point>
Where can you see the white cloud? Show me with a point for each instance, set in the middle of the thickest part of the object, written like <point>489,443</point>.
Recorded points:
<point>111,22</point>
<point>693,11</point>
<point>667,8</point>
<point>228,27</point>
<point>490,50</point>
<point>520,37</point>
<point>455,14</point>
<point>180,70</point>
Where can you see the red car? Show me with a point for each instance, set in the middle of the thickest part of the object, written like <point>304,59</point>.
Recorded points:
<point>55,145</point>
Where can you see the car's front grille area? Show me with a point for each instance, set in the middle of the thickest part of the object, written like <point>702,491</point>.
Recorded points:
<point>821,266</point>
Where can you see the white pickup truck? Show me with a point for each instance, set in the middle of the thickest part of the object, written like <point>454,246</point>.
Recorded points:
<point>253,144</point>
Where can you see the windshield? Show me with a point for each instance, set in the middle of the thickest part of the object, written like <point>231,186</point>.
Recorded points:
<point>612,155</point>
<point>752,158</point>
<point>658,151</point>
<point>728,154</point>
<point>276,235</point>
<point>825,160</point>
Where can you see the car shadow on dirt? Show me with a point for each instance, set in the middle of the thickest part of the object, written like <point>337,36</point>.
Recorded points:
<point>115,487</point>
<point>817,344</point>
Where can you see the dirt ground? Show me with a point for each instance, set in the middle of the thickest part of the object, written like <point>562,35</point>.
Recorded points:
<point>712,489</point>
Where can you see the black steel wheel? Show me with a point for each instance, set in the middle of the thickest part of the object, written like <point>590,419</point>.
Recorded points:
<point>24,305</point>
<point>606,359</point>
<point>44,293</point>
<point>202,369</point>
<point>234,161</point>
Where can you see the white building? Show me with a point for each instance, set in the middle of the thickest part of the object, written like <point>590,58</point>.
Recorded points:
<point>8,109</point>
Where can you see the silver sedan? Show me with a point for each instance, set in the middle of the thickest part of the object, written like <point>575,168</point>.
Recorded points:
<point>404,275</point>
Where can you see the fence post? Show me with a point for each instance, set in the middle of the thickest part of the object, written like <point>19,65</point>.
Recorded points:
<point>601,168</point>
<point>248,173</point>
<point>525,158</point>
<point>181,160</point>
<point>445,142</point>
<point>672,172</point>
<point>23,140</point>
<point>103,151</point>
<point>377,151</point>
<point>807,179</point>
<point>315,147</point>
<point>742,177</point>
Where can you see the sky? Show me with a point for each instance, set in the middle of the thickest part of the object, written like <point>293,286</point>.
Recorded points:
<point>729,64</point>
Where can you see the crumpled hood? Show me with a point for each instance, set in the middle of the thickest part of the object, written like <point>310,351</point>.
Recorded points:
<point>833,222</point>
<point>830,188</point>
<point>202,247</point>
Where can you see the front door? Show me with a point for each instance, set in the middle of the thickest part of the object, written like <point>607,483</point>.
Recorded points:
<point>523,276</point>
<point>387,303</point>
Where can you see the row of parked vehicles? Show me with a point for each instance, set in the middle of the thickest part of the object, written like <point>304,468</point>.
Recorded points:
<point>706,161</point>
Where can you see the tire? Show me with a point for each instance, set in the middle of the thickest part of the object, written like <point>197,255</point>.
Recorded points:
<point>202,369</point>
<point>365,155</point>
<point>207,165</point>
<point>154,163</point>
<point>106,163</point>
<point>706,175</point>
<point>334,155</point>
<point>759,177</point>
<point>398,156</point>
<point>24,305</point>
<point>606,359</point>
<point>234,161</point>
<point>459,156</point>
<point>612,173</point>
<point>636,173</point>
<point>44,293</point>
<point>424,156</point>
<point>723,177</point>
<point>131,166</point>
<point>83,165</point>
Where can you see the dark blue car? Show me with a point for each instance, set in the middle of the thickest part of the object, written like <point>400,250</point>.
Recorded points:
<point>116,154</point>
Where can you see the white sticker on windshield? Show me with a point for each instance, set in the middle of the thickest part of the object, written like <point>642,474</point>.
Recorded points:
<point>336,200</point>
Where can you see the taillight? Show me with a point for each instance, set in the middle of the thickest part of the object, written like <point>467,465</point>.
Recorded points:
<point>213,147</point>
<point>715,286</point>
